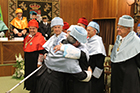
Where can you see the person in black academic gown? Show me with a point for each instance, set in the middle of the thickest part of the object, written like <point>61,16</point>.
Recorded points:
<point>45,28</point>
<point>33,53</point>
<point>125,58</point>
<point>97,55</point>
<point>53,77</point>
<point>72,84</point>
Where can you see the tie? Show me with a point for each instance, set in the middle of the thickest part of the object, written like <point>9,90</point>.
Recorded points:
<point>119,44</point>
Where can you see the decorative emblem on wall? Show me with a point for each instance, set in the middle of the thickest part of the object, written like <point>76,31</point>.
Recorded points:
<point>34,6</point>
<point>47,7</point>
<point>23,6</point>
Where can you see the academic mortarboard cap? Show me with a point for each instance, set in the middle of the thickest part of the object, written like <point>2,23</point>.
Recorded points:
<point>44,17</point>
<point>33,13</point>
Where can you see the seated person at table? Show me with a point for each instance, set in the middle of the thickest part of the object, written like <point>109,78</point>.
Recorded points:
<point>19,24</point>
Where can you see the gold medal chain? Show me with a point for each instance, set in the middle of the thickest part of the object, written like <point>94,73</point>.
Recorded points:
<point>28,42</point>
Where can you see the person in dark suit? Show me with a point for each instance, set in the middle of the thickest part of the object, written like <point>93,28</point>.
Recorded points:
<point>45,28</point>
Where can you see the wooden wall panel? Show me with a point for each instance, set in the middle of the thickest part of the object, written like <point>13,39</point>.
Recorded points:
<point>7,70</point>
<point>123,8</point>
<point>72,10</point>
<point>110,8</point>
<point>104,8</point>
<point>8,49</point>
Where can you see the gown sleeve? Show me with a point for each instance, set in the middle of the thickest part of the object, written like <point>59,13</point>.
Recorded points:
<point>96,62</point>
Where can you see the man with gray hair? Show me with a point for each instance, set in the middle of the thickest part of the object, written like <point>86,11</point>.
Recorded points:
<point>125,58</point>
<point>57,26</point>
<point>77,39</point>
<point>58,63</point>
<point>97,55</point>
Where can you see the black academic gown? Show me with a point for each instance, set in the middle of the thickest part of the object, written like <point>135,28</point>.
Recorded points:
<point>31,53</point>
<point>97,84</point>
<point>50,81</point>
<point>20,30</point>
<point>73,84</point>
<point>45,29</point>
<point>125,76</point>
<point>31,60</point>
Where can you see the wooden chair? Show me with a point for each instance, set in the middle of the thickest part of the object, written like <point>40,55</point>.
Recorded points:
<point>107,74</point>
<point>107,71</point>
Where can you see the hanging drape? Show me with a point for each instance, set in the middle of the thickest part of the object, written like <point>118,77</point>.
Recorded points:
<point>107,31</point>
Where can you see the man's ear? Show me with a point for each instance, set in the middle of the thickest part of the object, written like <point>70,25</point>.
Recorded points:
<point>128,28</point>
<point>95,31</point>
<point>75,44</point>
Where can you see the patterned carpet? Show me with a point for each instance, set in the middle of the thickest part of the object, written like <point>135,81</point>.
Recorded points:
<point>6,83</point>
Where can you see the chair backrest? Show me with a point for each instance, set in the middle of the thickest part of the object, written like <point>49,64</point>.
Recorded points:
<point>110,49</point>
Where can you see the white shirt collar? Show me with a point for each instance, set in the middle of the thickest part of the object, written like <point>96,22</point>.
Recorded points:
<point>45,23</point>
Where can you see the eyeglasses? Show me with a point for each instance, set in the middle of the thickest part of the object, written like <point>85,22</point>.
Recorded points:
<point>121,27</point>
